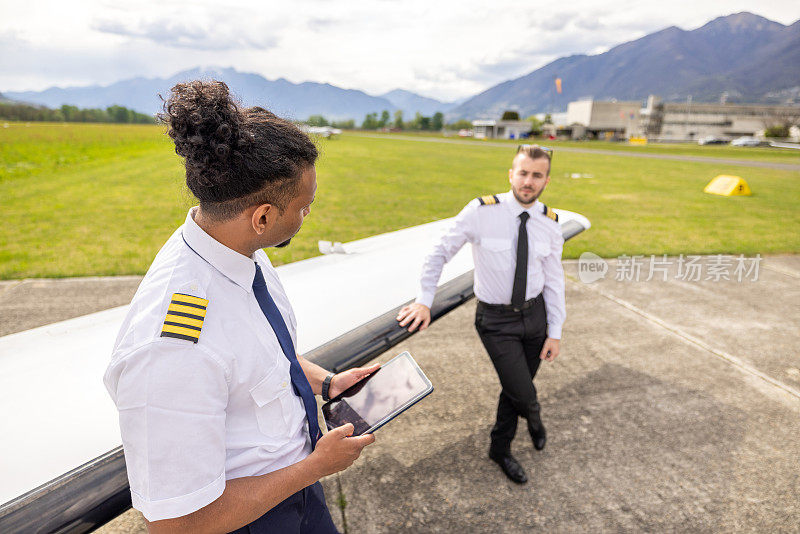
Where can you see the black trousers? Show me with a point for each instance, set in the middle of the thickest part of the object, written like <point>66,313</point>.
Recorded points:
<point>305,512</point>
<point>514,341</point>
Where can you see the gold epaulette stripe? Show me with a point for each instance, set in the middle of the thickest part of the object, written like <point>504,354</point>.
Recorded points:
<point>182,320</point>
<point>185,315</point>
<point>189,315</point>
<point>550,213</point>
<point>200,312</point>
<point>179,332</point>
<point>488,200</point>
<point>189,299</point>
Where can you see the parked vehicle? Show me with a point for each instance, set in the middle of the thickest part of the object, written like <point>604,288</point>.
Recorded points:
<point>745,141</point>
<point>712,140</point>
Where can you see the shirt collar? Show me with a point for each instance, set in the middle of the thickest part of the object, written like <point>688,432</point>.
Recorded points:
<point>237,267</point>
<point>516,208</point>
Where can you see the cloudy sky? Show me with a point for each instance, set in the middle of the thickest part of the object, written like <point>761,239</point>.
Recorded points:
<point>440,48</point>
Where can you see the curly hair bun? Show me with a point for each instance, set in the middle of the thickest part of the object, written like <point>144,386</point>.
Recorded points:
<point>204,123</point>
<point>233,156</point>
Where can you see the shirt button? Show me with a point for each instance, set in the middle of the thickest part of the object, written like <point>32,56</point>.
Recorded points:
<point>284,384</point>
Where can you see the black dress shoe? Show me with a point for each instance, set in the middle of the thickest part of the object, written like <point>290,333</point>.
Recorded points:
<point>538,434</point>
<point>510,467</point>
<point>539,438</point>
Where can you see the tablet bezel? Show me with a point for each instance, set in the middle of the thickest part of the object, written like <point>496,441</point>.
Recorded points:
<point>399,409</point>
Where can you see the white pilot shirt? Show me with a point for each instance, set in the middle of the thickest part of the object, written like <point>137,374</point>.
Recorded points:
<point>193,415</point>
<point>492,230</point>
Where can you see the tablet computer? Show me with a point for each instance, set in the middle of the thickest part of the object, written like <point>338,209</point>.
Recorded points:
<point>379,398</point>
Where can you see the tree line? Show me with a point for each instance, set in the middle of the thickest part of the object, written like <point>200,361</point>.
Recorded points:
<point>375,121</point>
<point>16,111</point>
<point>434,123</point>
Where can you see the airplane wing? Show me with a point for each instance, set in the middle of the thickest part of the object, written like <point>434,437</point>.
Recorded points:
<point>61,417</point>
<point>778,144</point>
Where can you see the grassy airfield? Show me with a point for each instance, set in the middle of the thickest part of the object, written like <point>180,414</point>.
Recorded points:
<point>90,199</point>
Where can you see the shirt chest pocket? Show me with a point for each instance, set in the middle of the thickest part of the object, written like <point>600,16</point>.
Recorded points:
<point>274,405</point>
<point>541,248</point>
<point>498,254</point>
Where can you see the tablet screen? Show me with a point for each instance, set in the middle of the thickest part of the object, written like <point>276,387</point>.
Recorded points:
<point>376,399</point>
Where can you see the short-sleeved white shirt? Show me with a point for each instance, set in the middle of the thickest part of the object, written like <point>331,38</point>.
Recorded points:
<point>195,414</point>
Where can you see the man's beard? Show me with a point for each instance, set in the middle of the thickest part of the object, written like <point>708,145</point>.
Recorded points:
<point>522,201</point>
<point>284,244</point>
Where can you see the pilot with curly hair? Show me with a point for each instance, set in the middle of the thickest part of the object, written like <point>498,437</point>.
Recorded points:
<point>217,411</point>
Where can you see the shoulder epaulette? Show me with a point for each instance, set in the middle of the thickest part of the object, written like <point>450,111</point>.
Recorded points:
<point>185,316</point>
<point>489,200</point>
<point>549,213</point>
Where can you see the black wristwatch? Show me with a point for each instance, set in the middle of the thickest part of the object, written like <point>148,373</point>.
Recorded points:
<point>326,384</point>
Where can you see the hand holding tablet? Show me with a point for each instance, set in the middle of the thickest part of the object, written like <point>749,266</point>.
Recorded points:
<point>380,397</point>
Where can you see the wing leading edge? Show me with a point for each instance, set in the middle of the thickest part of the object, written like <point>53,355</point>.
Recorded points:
<point>70,357</point>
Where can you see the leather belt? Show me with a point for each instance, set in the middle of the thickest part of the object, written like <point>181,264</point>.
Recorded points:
<point>508,307</point>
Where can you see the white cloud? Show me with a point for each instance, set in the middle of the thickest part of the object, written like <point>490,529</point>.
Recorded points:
<point>176,34</point>
<point>446,49</point>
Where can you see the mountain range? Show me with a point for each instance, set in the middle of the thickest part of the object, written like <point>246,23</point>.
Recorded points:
<point>743,57</point>
<point>412,103</point>
<point>296,101</point>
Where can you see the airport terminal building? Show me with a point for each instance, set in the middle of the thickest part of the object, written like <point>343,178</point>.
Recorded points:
<point>603,120</point>
<point>668,121</point>
<point>674,121</point>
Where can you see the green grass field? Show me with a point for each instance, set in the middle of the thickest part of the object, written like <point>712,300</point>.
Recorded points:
<point>101,199</point>
<point>767,154</point>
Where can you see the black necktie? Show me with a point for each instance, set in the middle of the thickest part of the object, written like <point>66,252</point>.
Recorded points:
<point>299,380</point>
<point>521,272</point>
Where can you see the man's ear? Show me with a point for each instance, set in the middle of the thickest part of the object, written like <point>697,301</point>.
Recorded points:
<point>510,174</point>
<point>263,218</point>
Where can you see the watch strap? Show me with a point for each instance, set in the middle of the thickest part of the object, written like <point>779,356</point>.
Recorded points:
<point>326,385</point>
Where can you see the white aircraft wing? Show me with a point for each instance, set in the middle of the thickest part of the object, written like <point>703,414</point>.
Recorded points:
<point>58,415</point>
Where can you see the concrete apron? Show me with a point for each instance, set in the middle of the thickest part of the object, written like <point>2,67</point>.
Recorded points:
<point>647,429</point>
<point>671,408</point>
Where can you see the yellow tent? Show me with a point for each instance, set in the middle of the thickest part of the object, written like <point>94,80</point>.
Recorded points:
<point>728,186</point>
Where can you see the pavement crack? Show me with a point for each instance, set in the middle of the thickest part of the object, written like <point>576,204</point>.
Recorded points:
<point>786,272</point>
<point>341,502</point>
<point>6,288</point>
<point>688,338</point>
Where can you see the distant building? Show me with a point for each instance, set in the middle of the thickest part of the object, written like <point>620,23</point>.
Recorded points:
<point>602,120</point>
<point>674,121</point>
<point>491,129</point>
<point>665,121</point>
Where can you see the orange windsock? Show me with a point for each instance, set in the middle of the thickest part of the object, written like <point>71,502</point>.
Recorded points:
<point>558,85</point>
